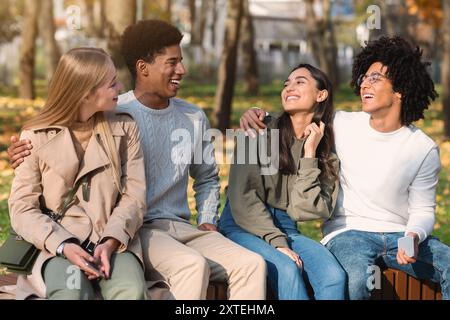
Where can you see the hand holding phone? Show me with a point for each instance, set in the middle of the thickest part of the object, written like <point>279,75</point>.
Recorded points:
<point>79,257</point>
<point>407,244</point>
<point>93,267</point>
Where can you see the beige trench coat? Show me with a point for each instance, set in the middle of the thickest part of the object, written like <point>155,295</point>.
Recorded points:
<point>46,176</point>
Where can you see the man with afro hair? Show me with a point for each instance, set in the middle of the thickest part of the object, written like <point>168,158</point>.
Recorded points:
<point>389,171</point>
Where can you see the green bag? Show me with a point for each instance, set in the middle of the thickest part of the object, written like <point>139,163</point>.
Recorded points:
<point>18,255</point>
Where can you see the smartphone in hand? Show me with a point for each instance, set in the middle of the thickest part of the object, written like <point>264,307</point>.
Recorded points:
<point>90,265</point>
<point>407,244</point>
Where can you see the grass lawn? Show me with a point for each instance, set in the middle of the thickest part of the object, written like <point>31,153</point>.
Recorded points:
<point>13,112</point>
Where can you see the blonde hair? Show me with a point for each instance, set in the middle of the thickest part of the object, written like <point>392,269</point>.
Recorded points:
<point>80,71</point>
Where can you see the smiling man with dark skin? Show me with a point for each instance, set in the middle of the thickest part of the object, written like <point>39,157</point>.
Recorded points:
<point>389,170</point>
<point>186,258</point>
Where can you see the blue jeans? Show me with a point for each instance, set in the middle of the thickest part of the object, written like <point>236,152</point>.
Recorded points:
<point>320,268</point>
<point>359,251</point>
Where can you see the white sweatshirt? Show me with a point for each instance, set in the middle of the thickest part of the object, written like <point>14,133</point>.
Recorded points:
<point>388,180</point>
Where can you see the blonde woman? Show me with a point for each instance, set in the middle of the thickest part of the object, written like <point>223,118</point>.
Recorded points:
<point>78,136</point>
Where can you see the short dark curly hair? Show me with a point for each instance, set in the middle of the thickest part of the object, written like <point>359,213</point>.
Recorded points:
<point>145,39</point>
<point>407,72</point>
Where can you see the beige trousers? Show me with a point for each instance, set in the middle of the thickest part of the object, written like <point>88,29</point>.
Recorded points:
<point>187,259</point>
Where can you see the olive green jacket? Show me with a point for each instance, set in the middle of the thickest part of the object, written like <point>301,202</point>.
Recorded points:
<point>303,195</point>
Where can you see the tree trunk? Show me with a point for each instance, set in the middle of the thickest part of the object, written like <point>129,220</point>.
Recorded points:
<point>389,18</point>
<point>47,32</point>
<point>28,49</point>
<point>227,67</point>
<point>198,24</point>
<point>322,39</point>
<point>9,11</point>
<point>102,21</point>
<point>249,55</point>
<point>119,15</point>
<point>330,46</point>
<point>213,24</point>
<point>192,17</point>
<point>204,9</point>
<point>89,21</point>
<point>446,68</point>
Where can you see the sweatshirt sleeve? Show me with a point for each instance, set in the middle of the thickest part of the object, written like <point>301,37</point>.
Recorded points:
<point>422,196</point>
<point>206,179</point>
<point>247,201</point>
<point>311,197</point>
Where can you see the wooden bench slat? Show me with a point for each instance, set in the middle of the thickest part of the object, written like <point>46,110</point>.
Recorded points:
<point>428,291</point>
<point>401,285</point>
<point>395,285</point>
<point>7,280</point>
<point>414,289</point>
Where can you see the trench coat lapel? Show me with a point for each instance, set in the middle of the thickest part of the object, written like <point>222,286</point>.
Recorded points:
<point>59,154</point>
<point>95,156</point>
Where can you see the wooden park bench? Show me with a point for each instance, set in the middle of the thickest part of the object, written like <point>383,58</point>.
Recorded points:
<point>8,279</point>
<point>395,285</point>
<point>216,290</point>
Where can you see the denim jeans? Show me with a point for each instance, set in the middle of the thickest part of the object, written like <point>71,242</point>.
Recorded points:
<point>320,268</point>
<point>359,251</point>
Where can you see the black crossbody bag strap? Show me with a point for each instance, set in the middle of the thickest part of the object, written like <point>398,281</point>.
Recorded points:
<point>69,199</point>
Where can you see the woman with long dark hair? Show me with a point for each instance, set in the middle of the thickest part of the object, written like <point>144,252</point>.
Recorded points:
<point>264,204</point>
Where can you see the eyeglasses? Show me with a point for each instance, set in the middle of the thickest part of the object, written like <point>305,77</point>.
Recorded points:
<point>373,77</point>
